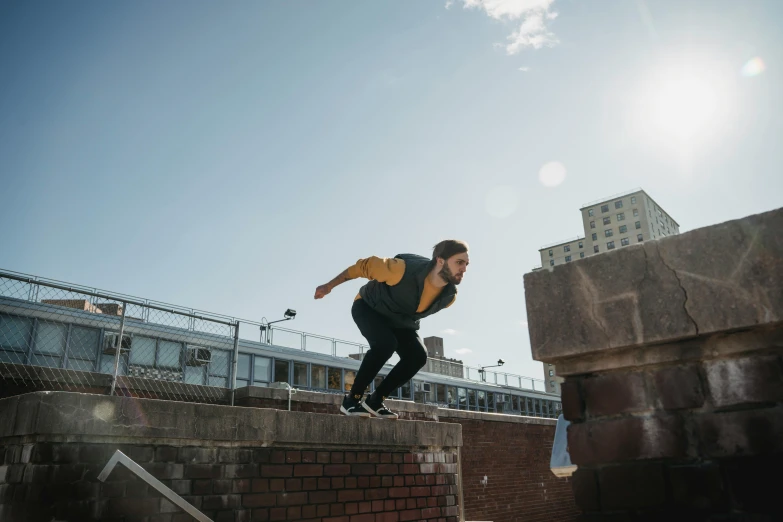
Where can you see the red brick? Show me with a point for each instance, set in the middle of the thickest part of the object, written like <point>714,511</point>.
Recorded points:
<point>294,513</point>
<point>363,469</point>
<point>399,481</point>
<point>431,512</point>
<point>324,483</point>
<point>741,433</point>
<point>365,507</point>
<point>292,499</point>
<point>322,497</point>
<point>337,509</point>
<point>309,484</point>
<point>585,486</point>
<point>410,469</point>
<point>338,457</point>
<point>410,514</point>
<point>632,486</point>
<point>374,494</point>
<point>420,491</point>
<point>375,481</point>
<point>277,457</point>
<point>338,483</point>
<point>337,470</point>
<point>336,519</point>
<point>386,458</point>
<point>631,438</point>
<point>368,517</point>
<point>308,511</point>
<point>350,482</point>
<point>614,393</point>
<point>350,495</point>
<point>259,499</point>
<point>323,457</point>
<point>308,457</point>
<point>308,470</point>
<point>377,505</point>
<point>679,387</point>
<point>351,508</point>
<point>293,484</point>
<point>277,514</point>
<point>270,470</point>
<point>744,381</point>
<point>349,457</point>
<point>399,492</point>
<point>276,484</point>
<point>362,457</point>
<point>363,482</point>
<point>293,457</point>
<point>387,517</point>
<point>398,458</point>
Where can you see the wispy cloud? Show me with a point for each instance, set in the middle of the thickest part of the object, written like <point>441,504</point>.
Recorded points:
<point>449,331</point>
<point>524,69</point>
<point>464,350</point>
<point>449,3</point>
<point>534,15</point>
<point>523,323</point>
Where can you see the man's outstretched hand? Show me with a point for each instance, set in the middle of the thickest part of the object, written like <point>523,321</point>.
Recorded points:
<point>322,291</point>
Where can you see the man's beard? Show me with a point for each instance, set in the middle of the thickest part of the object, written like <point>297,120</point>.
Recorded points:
<point>447,275</point>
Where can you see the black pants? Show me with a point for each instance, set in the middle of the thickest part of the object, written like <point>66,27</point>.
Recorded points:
<point>384,341</point>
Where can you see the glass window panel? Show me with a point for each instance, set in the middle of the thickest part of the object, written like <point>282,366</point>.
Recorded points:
<point>50,338</point>
<point>262,369</point>
<point>81,364</point>
<point>472,399</point>
<point>15,332</point>
<point>142,351</point>
<point>334,377</point>
<point>300,374</point>
<point>107,364</point>
<point>47,360</point>
<point>491,401</point>
<point>451,396</point>
<point>462,399</point>
<point>220,382</point>
<point>318,377</point>
<point>241,383</point>
<point>515,403</point>
<point>83,343</point>
<point>482,400</point>
<point>220,363</point>
<point>440,393</point>
<point>281,370</point>
<point>11,357</point>
<point>243,367</point>
<point>169,355</point>
<point>194,374</point>
<point>350,376</point>
<point>405,391</point>
<point>529,406</point>
<point>537,404</point>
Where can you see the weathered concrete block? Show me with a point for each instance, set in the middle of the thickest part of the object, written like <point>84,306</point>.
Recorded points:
<point>745,380</point>
<point>615,393</point>
<point>679,387</point>
<point>719,278</point>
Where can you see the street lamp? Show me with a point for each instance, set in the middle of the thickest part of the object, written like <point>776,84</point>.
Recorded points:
<point>266,326</point>
<point>501,362</point>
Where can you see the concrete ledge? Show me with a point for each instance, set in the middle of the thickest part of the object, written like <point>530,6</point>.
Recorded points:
<point>721,278</point>
<point>87,417</point>
<point>426,411</point>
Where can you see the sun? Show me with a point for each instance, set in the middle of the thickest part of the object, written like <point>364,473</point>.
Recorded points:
<point>684,106</point>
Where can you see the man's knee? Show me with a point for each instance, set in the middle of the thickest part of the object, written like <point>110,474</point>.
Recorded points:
<point>420,359</point>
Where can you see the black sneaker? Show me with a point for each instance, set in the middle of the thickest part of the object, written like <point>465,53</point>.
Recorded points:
<point>352,405</point>
<point>376,406</point>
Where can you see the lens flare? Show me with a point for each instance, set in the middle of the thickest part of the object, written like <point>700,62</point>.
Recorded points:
<point>552,174</point>
<point>753,67</point>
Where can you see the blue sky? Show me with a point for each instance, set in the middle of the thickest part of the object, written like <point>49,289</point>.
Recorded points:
<point>232,156</point>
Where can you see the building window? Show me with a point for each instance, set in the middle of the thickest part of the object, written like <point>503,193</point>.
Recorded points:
<point>595,249</point>
<point>623,229</point>
<point>551,262</point>
<point>567,248</point>
<point>590,213</point>
<point>595,236</point>
<point>568,258</point>
<point>621,216</point>
<point>550,253</point>
<point>592,224</point>
<point>552,384</point>
<point>636,212</point>
<point>581,245</point>
<point>604,208</point>
<point>618,204</point>
<point>551,373</point>
<point>607,221</point>
<point>633,200</point>
<point>608,232</point>
<point>610,245</point>
<point>624,241</point>
<point>581,255</point>
<point>638,224</point>
<point>639,238</point>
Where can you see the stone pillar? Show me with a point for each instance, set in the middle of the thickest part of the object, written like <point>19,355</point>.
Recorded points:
<point>671,351</point>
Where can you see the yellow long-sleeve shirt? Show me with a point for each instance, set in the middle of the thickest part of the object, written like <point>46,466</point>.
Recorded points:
<point>389,270</point>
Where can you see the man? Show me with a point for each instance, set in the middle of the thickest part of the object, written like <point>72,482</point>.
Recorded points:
<point>401,291</point>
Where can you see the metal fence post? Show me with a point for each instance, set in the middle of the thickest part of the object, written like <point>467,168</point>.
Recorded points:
<point>236,361</point>
<point>119,349</point>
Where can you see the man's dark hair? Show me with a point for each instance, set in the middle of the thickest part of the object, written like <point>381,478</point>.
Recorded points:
<point>448,248</point>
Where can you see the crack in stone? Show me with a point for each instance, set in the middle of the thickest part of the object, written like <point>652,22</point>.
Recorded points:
<point>679,282</point>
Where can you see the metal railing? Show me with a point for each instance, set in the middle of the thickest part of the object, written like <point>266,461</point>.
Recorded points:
<point>564,242</point>
<point>61,335</point>
<point>609,198</point>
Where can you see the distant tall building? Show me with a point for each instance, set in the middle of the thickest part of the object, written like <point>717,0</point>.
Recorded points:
<point>615,222</point>
<point>437,363</point>
<point>612,223</point>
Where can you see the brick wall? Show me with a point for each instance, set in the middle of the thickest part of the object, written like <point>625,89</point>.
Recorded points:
<point>511,451</point>
<point>45,481</point>
<point>673,357</point>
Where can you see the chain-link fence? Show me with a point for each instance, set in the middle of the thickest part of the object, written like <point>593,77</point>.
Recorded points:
<point>65,337</point>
